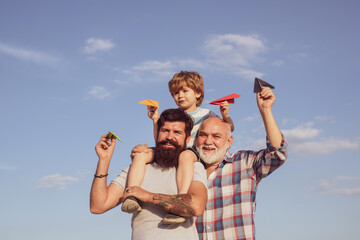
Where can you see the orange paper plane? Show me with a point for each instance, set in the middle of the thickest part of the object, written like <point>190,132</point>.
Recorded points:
<point>151,103</point>
<point>229,99</point>
<point>258,84</point>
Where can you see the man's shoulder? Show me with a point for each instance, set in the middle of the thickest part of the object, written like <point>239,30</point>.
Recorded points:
<point>239,156</point>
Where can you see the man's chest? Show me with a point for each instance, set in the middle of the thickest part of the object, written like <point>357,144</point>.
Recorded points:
<point>157,180</point>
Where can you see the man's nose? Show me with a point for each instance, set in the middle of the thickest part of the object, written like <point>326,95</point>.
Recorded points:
<point>208,140</point>
<point>170,136</point>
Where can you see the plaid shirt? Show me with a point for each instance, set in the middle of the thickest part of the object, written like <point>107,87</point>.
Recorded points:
<point>229,212</point>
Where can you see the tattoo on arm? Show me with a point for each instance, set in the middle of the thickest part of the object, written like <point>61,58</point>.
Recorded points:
<point>177,204</point>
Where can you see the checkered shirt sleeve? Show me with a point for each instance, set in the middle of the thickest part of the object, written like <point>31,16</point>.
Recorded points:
<point>232,186</point>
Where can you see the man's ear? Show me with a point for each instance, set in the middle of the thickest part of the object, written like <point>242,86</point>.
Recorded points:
<point>230,141</point>
<point>187,140</point>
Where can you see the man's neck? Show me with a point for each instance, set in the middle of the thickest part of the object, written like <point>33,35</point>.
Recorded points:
<point>211,167</point>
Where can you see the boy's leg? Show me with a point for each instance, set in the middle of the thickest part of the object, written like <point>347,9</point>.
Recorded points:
<point>135,178</point>
<point>184,177</point>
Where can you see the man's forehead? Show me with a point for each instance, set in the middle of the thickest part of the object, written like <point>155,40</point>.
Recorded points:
<point>215,126</point>
<point>212,129</point>
<point>214,123</point>
<point>174,125</point>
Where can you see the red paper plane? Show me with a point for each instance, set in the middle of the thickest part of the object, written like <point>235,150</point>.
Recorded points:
<point>229,99</point>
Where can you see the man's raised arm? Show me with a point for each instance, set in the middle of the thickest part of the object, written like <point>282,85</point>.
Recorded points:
<point>103,197</point>
<point>265,100</point>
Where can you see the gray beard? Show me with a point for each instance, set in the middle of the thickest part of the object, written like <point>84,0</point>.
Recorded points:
<point>216,157</point>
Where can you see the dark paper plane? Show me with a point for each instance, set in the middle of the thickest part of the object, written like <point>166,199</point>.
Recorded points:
<point>258,84</point>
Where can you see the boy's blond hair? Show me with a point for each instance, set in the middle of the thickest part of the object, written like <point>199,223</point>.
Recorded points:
<point>191,80</point>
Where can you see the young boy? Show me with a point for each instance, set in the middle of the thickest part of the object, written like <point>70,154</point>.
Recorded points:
<point>187,89</point>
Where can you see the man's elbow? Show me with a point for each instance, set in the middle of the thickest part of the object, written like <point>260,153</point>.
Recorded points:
<point>199,209</point>
<point>96,210</point>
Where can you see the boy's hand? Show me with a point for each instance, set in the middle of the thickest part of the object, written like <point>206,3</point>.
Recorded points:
<point>142,148</point>
<point>145,156</point>
<point>224,109</point>
<point>265,98</point>
<point>138,193</point>
<point>105,148</point>
<point>153,113</point>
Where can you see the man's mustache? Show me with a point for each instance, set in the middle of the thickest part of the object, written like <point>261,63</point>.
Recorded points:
<point>168,141</point>
<point>204,146</point>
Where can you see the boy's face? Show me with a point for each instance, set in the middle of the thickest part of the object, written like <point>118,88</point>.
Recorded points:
<point>186,98</point>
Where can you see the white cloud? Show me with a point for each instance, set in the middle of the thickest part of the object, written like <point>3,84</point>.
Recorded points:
<point>343,191</point>
<point>233,49</point>
<point>154,66</point>
<point>56,181</point>
<point>301,141</point>
<point>96,44</point>
<point>325,146</point>
<point>250,118</point>
<point>191,64</point>
<point>325,118</point>
<point>302,132</point>
<point>99,92</point>
<point>278,63</point>
<point>28,55</point>
<point>339,185</point>
<point>247,73</point>
<point>150,71</point>
<point>230,53</point>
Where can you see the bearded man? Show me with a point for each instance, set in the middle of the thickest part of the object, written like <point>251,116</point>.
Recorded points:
<point>158,192</point>
<point>233,178</point>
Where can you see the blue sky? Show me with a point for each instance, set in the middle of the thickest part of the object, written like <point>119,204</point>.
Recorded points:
<point>72,70</point>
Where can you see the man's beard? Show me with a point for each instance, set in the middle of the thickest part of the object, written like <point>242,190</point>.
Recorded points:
<point>168,157</point>
<point>215,157</point>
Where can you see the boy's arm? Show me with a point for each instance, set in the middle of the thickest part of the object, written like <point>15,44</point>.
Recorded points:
<point>265,100</point>
<point>153,114</point>
<point>103,197</point>
<point>224,109</point>
<point>185,170</point>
